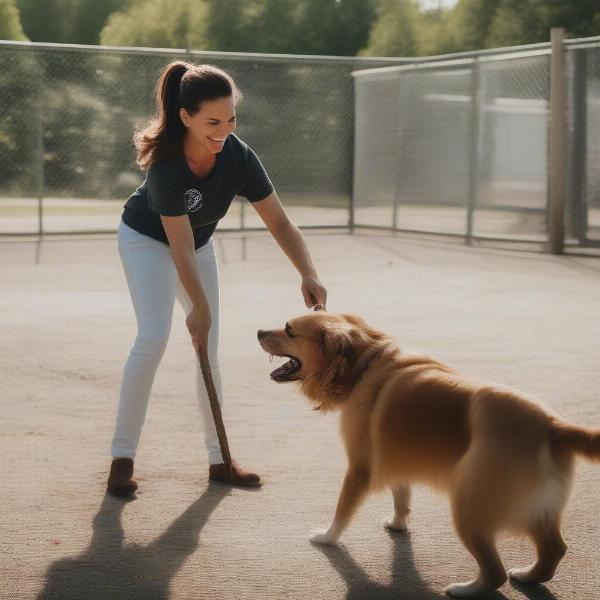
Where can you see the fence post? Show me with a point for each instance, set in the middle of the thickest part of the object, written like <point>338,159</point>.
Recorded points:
<point>40,154</point>
<point>352,202</point>
<point>578,158</point>
<point>473,147</point>
<point>556,208</point>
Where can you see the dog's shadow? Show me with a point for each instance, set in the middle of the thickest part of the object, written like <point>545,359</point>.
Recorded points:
<point>406,582</point>
<point>108,569</point>
<point>533,591</point>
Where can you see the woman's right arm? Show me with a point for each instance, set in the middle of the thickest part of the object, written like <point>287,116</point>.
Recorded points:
<point>181,241</point>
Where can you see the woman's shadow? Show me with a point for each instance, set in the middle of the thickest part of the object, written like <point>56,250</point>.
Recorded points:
<point>107,569</point>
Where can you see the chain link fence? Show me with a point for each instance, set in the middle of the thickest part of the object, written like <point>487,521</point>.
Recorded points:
<point>68,114</point>
<point>453,145</point>
<point>461,146</point>
<point>583,210</point>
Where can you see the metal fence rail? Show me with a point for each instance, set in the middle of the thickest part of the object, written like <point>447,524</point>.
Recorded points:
<point>455,144</point>
<point>462,146</point>
<point>68,114</point>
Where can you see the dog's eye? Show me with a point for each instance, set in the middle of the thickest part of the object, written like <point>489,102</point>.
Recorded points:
<point>288,331</point>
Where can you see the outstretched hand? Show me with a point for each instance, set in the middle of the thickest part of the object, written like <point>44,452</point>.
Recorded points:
<point>314,292</point>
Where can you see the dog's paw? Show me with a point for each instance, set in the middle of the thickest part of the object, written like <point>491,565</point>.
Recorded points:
<point>522,575</point>
<point>393,524</point>
<point>322,536</point>
<point>528,575</point>
<point>470,589</point>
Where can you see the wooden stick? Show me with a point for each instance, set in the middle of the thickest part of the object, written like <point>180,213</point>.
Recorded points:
<point>215,407</point>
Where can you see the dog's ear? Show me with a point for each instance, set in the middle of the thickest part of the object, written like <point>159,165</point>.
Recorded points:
<point>337,345</point>
<point>336,339</point>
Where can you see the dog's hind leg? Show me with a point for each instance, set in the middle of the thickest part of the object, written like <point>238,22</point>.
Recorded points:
<point>474,502</point>
<point>491,571</point>
<point>544,524</point>
<point>397,522</point>
<point>354,489</point>
<point>550,550</point>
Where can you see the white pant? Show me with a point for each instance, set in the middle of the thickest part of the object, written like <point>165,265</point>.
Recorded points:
<point>154,284</point>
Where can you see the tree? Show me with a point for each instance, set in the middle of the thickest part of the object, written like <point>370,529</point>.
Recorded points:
<point>477,24</point>
<point>45,21</point>
<point>335,27</point>
<point>10,23</point>
<point>468,24</point>
<point>231,25</point>
<point>66,21</point>
<point>396,29</point>
<point>87,18</point>
<point>158,24</point>
<point>529,21</point>
<point>338,27</point>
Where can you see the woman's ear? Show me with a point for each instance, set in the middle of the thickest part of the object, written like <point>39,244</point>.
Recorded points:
<point>183,115</point>
<point>319,307</point>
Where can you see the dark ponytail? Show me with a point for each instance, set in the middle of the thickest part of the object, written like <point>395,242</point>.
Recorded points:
<point>181,85</point>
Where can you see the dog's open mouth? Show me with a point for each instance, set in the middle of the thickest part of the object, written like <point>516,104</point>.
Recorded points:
<point>286,371</point>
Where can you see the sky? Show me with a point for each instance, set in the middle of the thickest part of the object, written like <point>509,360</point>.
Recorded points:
<point>436,3</point>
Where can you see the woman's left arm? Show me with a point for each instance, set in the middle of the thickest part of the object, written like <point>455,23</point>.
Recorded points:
<point>291,241</point>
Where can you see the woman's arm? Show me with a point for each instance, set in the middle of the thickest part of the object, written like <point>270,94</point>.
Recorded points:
<point>292,242</point>
<point>181,241</point>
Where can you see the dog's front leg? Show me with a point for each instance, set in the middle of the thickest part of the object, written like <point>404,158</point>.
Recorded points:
<point>401,508</point>
<point>354,489</point>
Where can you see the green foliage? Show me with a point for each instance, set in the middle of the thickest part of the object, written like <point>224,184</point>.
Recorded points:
<point>529,21</point>
<point>339,27</point>
<point>66,21</point>
<point>403,29</point>
<point>10,24</point>
<point>158,24</point>
<point>468,24</point>
<point>396,29</point>
<point>44,21</point>
<point>336,27</point>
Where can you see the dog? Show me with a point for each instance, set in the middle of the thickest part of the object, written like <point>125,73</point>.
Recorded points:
<point>505,459</point>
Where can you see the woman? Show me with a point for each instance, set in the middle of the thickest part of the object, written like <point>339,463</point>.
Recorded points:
<point>195,166</point>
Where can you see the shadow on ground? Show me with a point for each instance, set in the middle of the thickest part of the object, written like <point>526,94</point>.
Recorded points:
<point>406,582</point>
<point>107,569</point>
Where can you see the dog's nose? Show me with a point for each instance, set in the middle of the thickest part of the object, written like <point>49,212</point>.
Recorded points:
<point>261,334</point>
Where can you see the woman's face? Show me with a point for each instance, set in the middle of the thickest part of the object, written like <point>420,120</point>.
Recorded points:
<point>211,125</point>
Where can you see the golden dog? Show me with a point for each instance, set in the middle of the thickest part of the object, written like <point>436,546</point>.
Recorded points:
<point>505,459</point>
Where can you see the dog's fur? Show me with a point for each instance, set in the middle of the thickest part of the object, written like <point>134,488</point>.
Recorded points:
<point>505,459</point>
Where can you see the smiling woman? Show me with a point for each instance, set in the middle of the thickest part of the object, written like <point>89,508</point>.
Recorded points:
<point>195,165</point>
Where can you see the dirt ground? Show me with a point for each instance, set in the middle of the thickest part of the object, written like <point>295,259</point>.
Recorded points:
<point>66,327</point>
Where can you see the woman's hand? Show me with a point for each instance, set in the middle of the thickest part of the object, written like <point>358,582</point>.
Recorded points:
<point>198,323</point>
<point>314,291</point>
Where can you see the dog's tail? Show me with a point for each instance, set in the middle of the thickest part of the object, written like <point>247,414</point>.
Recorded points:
<point>581,440</point>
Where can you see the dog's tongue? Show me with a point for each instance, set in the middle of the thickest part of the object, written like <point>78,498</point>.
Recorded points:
<point>286,369</point>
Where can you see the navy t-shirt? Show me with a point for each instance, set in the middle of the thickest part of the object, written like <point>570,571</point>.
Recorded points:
<point>171,188</point>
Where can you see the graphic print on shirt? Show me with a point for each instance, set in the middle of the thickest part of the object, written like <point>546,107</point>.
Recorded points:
<point>193,199</point>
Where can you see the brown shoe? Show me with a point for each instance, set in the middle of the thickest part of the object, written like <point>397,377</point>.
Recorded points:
<point>234,474</point>
<point>120,482</point>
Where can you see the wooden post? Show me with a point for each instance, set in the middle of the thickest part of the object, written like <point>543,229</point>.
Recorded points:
<point>556,207</point>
